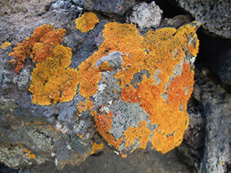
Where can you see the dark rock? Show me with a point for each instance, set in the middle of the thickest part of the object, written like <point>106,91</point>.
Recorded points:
<point>214,15</point>
<point>109,162</point>
<point>118,7</point>
<point>215,54</point>
<point>191,150</point>
<point>216,108</point>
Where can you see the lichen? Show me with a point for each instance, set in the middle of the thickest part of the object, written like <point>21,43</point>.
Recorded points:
<point>52,80</point>
<point>86,22</point>
<point>160,53</point>
<point>5,44</point>
<point>39,46</point>
<point>31,156</point>
<point>96,147</point>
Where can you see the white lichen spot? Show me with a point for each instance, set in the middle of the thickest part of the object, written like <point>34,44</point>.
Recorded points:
<point>192,60</point>
<point>58,125</point>
<point>56,162</point>
<point>87,135</point>
<point>105,109</point>
<point>186,90</point>
<point>53,154</point>
<point>68,147</point>
<point>116,152</point>
<point>64,130</point>
<point>101,87</point>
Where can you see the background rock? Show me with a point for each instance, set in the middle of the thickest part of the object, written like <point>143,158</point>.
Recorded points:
<point>146,15</point>
<point>215,54</point>
<point>216,105</point>
<point>107,7</point>
<point>214,15</point>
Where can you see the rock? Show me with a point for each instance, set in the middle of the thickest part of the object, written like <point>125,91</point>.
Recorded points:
<point>146,15</point>
<point>130,99</point>
<point>107,7</point>
<point>176,21</point>
<point>215,55</point>
<point>108,161</point>
<point>192,148</point>
<point>216,108</point>
<point>214,15</point>
<point>64,132</point>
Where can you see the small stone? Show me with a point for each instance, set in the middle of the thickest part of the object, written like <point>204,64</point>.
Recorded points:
<point>146,15</point>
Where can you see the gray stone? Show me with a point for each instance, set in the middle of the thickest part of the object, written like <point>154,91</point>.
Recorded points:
<point>216,108</point>
<point>146,15</point>
<point>108,7</point>
<point>214,15</point>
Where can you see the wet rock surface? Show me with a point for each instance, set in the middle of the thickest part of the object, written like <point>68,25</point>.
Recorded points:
<point>60,136</point>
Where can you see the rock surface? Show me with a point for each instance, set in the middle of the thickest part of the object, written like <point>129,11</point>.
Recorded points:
<point>108,7</point>
<point>214,15</point>
<point>215,55</point>
<point>65,133</point>
<point>146,15</point>
<point>216,105</point>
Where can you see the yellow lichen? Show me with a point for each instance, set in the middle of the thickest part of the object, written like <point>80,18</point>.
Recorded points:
<point>96,147</point>
<point>5,44</point>
<point>86,22</point>
<point>52,80</point>
<point>84,107</point>
<point>31,156</point>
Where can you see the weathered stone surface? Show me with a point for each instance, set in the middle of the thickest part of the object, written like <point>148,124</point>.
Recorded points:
<point>146,15</point>
<point>31,132</point>
<point>216,108</point>
<point>214,15</point>
<point>62,133</point>
<point>118,7</point>
<point>192,148</point>
<point>108,161</point>
<point>215,55</point>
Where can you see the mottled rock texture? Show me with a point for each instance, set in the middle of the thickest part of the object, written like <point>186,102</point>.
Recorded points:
<point>214,15</point>
<point>121,70</point>
<point>108,7</point>
<point>45,125</point>
<point>146,15</point>
<point>215,55</point>
<point>216,108</point>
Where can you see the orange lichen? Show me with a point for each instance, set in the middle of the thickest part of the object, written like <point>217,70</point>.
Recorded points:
<point>31,156</point>
<point>39,46</point>
<point>86,22</point>
<point>89,105</point>
<point>38,122</point>
<point>103,125</point>
<point>140,133</point>
<point>158,52</point>
<point>5,44</point>
<point>27,123</point>
<point>96,147</point>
